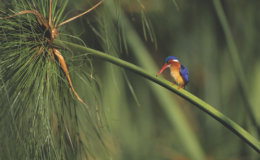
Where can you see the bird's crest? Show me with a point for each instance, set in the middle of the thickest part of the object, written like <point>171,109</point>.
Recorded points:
<point>171,58</point>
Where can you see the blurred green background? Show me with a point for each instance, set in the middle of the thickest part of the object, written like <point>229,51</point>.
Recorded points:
<point>192,31</point>
<point>142,120</point>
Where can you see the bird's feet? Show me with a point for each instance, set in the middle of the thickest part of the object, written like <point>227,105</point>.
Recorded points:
<point>178,87</point>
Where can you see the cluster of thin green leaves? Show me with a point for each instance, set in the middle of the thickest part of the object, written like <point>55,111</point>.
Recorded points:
<point>39,113</point>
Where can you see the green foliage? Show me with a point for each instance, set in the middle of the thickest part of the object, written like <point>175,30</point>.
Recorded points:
<point>39,113</point>
<point>129,117</point>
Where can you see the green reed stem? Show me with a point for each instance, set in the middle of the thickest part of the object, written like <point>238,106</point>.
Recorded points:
<point>227,122</point>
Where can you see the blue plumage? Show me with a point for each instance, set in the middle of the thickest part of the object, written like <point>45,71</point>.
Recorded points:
<point>184,73</point>
<point>169,58</point>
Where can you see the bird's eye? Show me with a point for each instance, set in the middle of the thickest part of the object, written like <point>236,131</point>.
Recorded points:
<point>170,61</point>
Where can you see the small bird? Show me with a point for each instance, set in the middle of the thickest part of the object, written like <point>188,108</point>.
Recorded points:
<point>179,72</point>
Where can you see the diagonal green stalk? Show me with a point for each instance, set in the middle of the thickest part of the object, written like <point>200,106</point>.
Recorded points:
<point>202,105</point>
<point>233,51</point>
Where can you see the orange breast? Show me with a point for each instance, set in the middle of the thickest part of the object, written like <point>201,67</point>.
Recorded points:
<point>175,73</point>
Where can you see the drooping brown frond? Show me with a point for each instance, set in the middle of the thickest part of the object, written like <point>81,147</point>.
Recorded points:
<point>64,67</point>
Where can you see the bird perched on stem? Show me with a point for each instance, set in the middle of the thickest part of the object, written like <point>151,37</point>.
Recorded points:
<point>179,72</point>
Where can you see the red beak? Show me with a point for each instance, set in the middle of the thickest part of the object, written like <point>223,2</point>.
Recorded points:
<point>163,68</point>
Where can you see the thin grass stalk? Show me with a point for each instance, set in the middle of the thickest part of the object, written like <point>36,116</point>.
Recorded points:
<point>237,65</point>
<point>199,103</point>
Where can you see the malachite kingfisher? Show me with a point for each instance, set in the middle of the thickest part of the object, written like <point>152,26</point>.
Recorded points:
<point>179,72</point>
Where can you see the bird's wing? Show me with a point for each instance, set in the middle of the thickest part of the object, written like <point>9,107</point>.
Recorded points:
<point>185,73</point>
